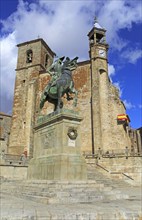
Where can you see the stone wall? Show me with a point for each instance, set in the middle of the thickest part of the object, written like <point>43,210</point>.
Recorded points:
<point>5,123</point>
<point>128,168</point>
<point>139,139</point>
<point>23,112</point>
<point>13,172</point>
<point>119,132</point>
<point>136,140</point>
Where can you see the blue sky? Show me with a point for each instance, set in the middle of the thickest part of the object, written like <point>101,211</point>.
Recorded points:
<point>64,25</point>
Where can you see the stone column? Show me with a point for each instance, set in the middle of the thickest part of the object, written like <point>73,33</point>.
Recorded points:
<point>57,144</point>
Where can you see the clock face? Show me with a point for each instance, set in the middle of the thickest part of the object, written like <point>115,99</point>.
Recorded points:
<point>102,53</point>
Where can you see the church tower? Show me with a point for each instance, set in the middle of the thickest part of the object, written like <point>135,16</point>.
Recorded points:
<point>33,58</point>
<point>106,105</point>
<point>99,85</point>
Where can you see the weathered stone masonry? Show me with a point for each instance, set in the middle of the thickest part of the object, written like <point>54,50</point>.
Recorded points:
<point>5,123</point>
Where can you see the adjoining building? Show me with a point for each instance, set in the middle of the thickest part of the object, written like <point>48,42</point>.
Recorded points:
<point>5,124</point>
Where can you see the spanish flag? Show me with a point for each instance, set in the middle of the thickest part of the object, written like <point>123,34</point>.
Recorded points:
<point>123,118</point>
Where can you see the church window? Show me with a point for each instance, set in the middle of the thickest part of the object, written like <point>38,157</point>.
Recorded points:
<point>102,71</point>
<point>29,56</point>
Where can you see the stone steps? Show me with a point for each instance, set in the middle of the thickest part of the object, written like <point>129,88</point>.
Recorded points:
<point>98,187</point>
<point>121,166</point>
<point>94,172</point>
<point>62,192</point>
<point>99,198</point>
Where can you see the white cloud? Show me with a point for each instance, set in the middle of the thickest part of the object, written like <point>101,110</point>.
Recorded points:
<point>64,25</point>
<point>117,15</point>
<point>140,106</point>
<point>111,70</point>
<point>132,55</point>
<point>8,61</point>
<point>128,104</point>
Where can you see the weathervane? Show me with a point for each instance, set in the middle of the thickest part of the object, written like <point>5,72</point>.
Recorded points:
<point>95,20</point>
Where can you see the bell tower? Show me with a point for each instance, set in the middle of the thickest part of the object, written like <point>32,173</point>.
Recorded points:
<point>33,58</point>
<point>99,87</point>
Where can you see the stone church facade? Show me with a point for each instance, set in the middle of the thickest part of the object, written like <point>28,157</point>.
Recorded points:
<point>98,99</point>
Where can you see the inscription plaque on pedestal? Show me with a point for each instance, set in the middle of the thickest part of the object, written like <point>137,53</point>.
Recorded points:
<point>48,139</point>
<point>71,143</point>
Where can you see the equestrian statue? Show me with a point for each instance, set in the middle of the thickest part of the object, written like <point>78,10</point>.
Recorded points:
<point>61,83</point>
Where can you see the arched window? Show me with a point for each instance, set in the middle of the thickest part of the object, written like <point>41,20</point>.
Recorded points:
<point>29,56</point>
<point>101,70</point>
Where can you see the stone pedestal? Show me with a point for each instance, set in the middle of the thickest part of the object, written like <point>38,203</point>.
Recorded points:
<point>57,145</point>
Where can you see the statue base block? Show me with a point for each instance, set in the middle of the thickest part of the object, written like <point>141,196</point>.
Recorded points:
<point>57,144</point>
<point>58,167</point>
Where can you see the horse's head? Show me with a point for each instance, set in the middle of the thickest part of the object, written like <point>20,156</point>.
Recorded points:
<point>72,64</point>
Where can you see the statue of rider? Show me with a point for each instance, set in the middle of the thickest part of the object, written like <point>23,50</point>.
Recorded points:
<point>66,66</point>
<point>59,71</point>
<point>55,71</point>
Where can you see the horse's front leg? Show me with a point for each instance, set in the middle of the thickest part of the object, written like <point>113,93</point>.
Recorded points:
<point>74,91</point>
<point>75,98</point>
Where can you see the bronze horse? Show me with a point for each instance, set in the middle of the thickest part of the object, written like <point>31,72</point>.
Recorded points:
<point>64,84</point>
